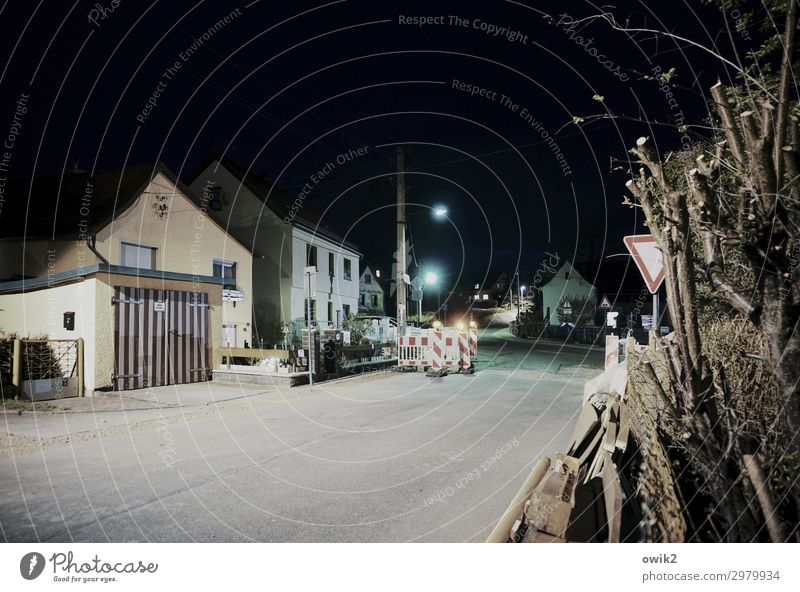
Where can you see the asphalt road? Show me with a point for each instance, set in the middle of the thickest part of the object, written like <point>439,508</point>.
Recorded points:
<point>395,457</point>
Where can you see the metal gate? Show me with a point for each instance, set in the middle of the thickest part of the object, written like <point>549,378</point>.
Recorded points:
<point>160,337</point>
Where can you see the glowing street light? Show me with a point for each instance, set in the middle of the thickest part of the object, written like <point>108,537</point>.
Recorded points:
<point>431,278</point>
<point>440,211</point>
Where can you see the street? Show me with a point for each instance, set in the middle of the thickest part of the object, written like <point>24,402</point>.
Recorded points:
<point>389,457</point>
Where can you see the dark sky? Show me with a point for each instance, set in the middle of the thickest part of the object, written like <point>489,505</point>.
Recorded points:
<point>287,87</point>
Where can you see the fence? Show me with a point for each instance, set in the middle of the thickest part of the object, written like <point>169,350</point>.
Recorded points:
<point>42,369</point>
<point>588,335</point>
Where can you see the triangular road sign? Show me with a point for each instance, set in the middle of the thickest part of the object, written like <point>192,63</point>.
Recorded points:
<point>604,303</point>
<point>649,259</point>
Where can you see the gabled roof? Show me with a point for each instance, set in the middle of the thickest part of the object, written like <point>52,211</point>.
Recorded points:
<point>62,207</point>
<point>277,200</point>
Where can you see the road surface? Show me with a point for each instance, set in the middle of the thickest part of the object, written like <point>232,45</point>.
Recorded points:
<point>392,457</point>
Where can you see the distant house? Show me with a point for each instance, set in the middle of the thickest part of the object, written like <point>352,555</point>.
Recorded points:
<point>619,283</point>
<point>567,282</point>
<point>371,294</point>
<point>129,261</point>
<point>287,237</point>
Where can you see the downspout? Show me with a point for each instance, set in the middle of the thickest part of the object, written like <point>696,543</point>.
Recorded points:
<point>91,239</point>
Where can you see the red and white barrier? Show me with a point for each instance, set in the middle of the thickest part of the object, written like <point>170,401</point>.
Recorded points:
<point>473,343</point>
<point>463,347</point>
<point>413,350</point>
<point>437,349</point>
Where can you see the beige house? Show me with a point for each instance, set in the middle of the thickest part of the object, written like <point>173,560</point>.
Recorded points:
<point>130,261</point>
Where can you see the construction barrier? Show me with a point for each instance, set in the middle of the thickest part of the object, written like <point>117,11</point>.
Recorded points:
<point>473,343</point>
<point>414,350</point>
<point>437,349</point>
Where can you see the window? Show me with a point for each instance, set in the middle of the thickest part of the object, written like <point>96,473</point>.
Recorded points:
<point>133,255</point>
<point>374,300</point>
<point>348,270</point>
<point>226,270</point>
<point>216,198</point>
<point>313,310</point>
<point>331,265</point>
<point>330,311</point>
<point>361,299</point>
<point>367,278</point>
<point>311,256</point>
<point>346,310</point>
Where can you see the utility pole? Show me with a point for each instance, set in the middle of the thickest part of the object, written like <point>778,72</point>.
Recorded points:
<point>401,241</point>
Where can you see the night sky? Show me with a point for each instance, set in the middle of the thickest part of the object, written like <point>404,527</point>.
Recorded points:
<point>286,88</point>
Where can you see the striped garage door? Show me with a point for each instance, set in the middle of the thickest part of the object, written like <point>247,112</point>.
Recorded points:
<point>160,337</point>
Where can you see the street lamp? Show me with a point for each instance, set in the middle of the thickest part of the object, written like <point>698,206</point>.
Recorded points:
<point>439,211</point>
<point>519,300</point>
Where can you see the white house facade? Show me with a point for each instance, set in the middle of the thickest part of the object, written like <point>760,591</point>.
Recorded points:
<point>566,283</point>
<point>371,295</point>
<point>285,239</point>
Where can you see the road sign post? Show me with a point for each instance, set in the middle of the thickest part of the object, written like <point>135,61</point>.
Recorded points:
<point>650,261</point>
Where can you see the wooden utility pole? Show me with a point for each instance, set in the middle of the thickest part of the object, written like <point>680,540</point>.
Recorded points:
<point>401,241</point>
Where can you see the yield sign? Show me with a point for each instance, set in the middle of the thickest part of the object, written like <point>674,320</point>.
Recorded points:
<point>604,303</point>
<point>648,258</point>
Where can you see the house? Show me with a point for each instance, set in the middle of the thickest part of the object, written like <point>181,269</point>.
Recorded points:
<point>371,293</point>
<point>567,282</point>
<point>619,284</point>
<point>288,237</point>
<point>129,261</point>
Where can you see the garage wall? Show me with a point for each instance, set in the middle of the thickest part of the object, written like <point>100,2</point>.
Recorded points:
<point>41,313</point>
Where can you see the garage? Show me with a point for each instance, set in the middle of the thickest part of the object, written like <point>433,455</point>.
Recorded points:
<point>160,337</point>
